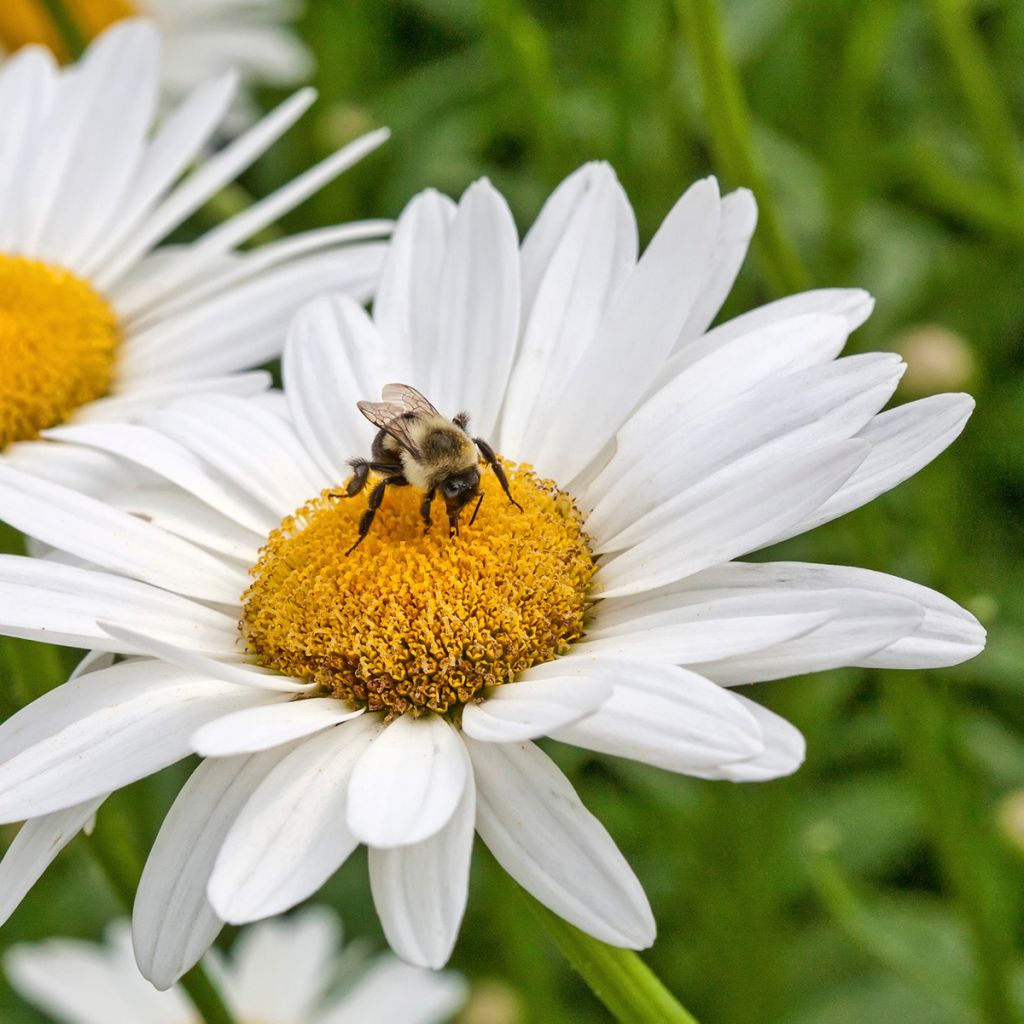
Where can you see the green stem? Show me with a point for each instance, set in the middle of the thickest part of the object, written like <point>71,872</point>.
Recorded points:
<point>985,98</point>
<point>72,36</point>
<point>117,856</point>
<point>728,120</point>
<point>618,977</point>
<point>964,858</point>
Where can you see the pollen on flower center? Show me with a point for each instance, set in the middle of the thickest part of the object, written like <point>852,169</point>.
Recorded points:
<point>28,21</point>
<point>415,621</point>
<point>58,339</point>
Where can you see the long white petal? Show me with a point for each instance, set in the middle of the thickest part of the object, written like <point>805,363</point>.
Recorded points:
<point>666,716</point>
<point>34,849</point>
<point>737,510</point>
<point>947,634</point>
<point>636,334</point>
<point>291,836</point>
<point>102,731</point>
<point>420,890</point>
<point>531,708</point>
<point>477,310</point>
<point>408,783</point>
<point>333,358</point>
<point>45,600</point>
<point>538,830</point>
<point>903,441</point>
<point>115,540</point>
<point>269,726</point>
<point>173,923</point>
<point>595,250</point>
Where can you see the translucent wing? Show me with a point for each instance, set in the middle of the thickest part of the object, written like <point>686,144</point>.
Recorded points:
<point>401,406</point>
<point>410,400</point>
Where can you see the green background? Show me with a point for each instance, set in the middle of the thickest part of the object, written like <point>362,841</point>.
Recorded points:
<point>883,881</point>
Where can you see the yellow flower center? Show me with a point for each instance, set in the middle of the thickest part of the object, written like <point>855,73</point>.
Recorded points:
<point>27,21</point>
<point>413,620</point>
<point>58,339</point>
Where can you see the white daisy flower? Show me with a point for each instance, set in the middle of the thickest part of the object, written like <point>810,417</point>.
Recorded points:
<point>391,695</point>
<point>287,971</point>
<point>202,38</point>
<point>98,319</point>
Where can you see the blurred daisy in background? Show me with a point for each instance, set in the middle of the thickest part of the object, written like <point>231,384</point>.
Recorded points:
<point>202,38</point>
<point>98,319</point>
<point>390,694</point>
<point>289,971</point>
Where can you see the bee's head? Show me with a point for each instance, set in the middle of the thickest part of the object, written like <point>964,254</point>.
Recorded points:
<point>458,490</point>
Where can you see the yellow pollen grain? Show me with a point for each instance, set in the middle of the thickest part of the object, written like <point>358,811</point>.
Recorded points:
<point>412,621</point>
<point>27,21</point>
<point>58,339</point>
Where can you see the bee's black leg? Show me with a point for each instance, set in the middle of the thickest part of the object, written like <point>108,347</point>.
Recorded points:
<point>462,420</point>
<point>479,502</point>
<point>360,474</point>
<point>492,460</point>
<point>425,509</point>
<point>376,497</point>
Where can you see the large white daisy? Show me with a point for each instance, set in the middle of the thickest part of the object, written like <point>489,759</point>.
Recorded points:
<point>202,38</point>
<point>97,318</point>
<point>288,971</point>
<point>392,696</point>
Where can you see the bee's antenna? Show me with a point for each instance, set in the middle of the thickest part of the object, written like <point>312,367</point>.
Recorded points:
<point>479,502</point>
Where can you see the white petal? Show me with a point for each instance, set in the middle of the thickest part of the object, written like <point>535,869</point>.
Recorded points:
<point>420,890</point>
<point>583,269</point>
<point>92,142</point>
<point>258,453</point>
<point>665,716</point>
<point>173,923</point>
<point>157,453</point>
<point>635,336</point>
<point>947,634</point>
<point>185,516</point>
<point>226,668</point>
<point>784,750</point>
<point>732,512</point>
<point>244,225</point>
<point>405,308</point>
<point>854,305</point>
<point>178,139</point>
<point>281,969</point>
<point>531,708</point>
<point>829,402</point>
<point>477,310</point>
<point>399,994</point>
<point>739,218</point>
<point>715,632</point>
<point>291,836</point>
<point>210,177</point>
<point>80,982</point>
<point>104,536</point>
<point>690,390</point>
<point>269,726</point>
<point>903,441</point>
<point>34,848</point>
<point>538,830</point>
<point>333,358</point>
<point>408,783</point>
<point>102,731</point>
<point>865,624</point>
<point>61,604</point>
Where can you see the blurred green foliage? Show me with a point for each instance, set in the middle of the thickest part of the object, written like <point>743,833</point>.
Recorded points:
<point>883,882</point>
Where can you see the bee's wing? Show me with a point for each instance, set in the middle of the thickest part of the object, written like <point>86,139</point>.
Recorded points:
<point>408,398</point>
<point>395,420</point>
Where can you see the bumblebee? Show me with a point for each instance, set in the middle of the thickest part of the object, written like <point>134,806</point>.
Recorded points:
<point>415,445</point>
